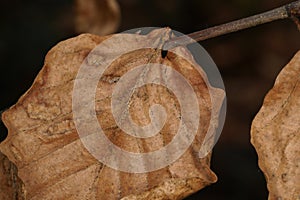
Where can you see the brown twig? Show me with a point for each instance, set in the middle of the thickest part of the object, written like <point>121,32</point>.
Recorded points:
<point>291,10</point>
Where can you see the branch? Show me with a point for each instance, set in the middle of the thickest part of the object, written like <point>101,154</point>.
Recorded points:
<point>291,10</point>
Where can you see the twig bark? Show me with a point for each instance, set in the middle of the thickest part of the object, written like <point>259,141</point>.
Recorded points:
<point>291,10</point>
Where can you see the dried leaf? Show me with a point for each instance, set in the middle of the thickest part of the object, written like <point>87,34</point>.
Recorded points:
<point>51,159</point>
<point>99,17</point>
<point>276,134</point>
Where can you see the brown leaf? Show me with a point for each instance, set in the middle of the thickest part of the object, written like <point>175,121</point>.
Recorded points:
<point>51,159</point>
<point>276,134</point>
<point>99,17</point>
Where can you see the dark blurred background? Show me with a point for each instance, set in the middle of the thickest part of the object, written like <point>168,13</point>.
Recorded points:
<point>249,62</point>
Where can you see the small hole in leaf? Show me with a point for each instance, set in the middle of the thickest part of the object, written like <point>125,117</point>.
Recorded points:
<point>164,53</point>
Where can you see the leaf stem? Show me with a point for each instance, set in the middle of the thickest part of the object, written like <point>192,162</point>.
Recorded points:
<point>291,10</point>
